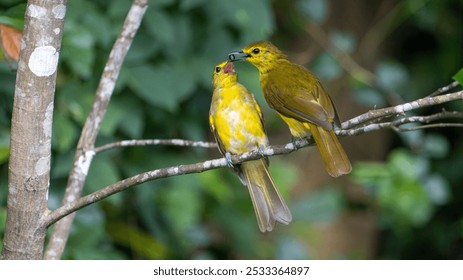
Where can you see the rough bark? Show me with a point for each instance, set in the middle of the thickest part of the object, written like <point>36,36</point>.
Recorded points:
<point>31,129</point>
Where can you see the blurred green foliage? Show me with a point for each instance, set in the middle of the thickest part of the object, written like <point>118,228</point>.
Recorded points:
<point>164,92</point>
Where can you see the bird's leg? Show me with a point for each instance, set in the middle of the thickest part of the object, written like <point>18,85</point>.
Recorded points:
<point>229,160</point>
<point>260,150</point>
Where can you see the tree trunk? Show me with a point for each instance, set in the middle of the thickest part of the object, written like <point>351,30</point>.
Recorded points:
<point>31,128</point>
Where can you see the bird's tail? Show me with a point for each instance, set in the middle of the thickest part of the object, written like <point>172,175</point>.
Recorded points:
<point>267,201</point>
<point>336,161</point>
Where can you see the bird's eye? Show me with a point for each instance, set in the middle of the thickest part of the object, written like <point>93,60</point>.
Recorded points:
<point>256,51</point>
<point>217,69</point>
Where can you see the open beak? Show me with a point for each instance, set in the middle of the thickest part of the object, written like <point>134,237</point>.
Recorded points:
<point>238,55</point>
<point>228,68</point>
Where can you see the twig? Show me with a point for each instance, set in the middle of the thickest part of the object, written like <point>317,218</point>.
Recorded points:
<point>442,90</point>
<point>434,125</point>
<point>148,142</point>
<point>402,108</point>
<point>405,120</point>
<point>351,128</point>
<point>85,153</point>
<point>71,207</point>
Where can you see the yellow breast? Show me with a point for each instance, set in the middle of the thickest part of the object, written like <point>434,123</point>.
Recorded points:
<point>237,120</point>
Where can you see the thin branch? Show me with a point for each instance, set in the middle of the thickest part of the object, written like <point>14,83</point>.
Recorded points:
<point>351,127</point>
<point>164,173</point>
<point>85,153</point>
<point>402,108</point>
<point>434,125</point>
<point>149,142</point>
<point>442,90</point>
<point>405,120</point>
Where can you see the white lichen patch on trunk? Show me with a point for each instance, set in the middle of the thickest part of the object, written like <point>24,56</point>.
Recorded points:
<point>36,11</point>
<point>59,11</point>
<point>43,61</point>
<point>42,165</point>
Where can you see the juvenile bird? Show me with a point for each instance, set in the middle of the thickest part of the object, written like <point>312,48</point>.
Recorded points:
<point>236,121</point>
<point>299,98</point>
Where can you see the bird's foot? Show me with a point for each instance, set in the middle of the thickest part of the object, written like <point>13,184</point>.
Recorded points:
<point>295,142</point>
<point>229,160</point>
<point>260,150</point>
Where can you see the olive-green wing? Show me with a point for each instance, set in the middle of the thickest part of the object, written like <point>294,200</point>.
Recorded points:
<point>296,102</point>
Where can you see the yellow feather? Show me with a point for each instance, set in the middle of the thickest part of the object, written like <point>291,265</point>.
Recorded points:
<point>299,98</point>
<point>236,121</point>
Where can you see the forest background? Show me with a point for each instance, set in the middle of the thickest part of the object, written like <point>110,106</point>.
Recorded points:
<point>402,201</point>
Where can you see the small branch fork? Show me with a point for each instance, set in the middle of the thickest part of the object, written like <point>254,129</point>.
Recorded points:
<point>85,147</point>
<point>368,122</point>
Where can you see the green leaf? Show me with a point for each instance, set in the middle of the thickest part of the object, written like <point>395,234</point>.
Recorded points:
<point>62,164</point>
<point>2,219</point>
<point>16,23</point>
<point>214,184</point>
<point>133,121</point>
<point>398,188</point>
<point>163,86</point>
<point>161,26</point>
<point>4,147</point>
<point>182,203</point>
<point>253,16</point>
<point>115,114</point>
<point>459,76</point>
<point>284,175</point>
<point>161,3</point>
<point>64,132</point>
<point>139,53</point>
<point>14,16</point>
<point>78,49</point>
<point>82,245</point>
<point>154,85</point>
<point>4,153</point>
<point>103,172</point>
<point>190,4</point>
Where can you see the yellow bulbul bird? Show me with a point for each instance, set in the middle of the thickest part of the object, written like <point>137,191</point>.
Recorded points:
<point>236,121</point>
<point>299,98</point>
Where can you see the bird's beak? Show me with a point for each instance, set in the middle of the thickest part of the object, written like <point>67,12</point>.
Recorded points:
<point>238,55</point>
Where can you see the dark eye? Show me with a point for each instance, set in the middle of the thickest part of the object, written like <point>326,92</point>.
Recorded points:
<point>217,69</point>
<point>256,51</point>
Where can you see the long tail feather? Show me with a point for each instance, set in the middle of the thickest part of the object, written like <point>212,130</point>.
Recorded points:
<point>336,161</point>
<point>267,201</point>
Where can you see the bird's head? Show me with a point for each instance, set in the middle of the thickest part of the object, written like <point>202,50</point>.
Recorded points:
<point>261,54</point>
<point>224,74</point>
